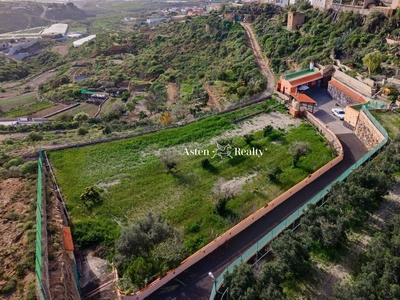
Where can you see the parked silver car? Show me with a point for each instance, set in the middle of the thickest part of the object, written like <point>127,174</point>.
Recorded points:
<point>338,112</point>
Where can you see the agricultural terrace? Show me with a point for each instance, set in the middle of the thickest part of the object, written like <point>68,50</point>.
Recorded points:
<point>134,180</point>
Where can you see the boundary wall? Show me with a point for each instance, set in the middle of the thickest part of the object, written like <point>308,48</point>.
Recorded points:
<point>41,255</point>
<point>223,238</point>
<point>299,212</point>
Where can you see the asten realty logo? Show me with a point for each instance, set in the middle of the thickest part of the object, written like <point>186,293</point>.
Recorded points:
<point>223,151</point>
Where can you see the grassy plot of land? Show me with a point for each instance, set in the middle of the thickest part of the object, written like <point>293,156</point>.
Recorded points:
<point>389,120</point>
<point>88,108</point>
<point>12,102</point>
<point>137,182</point>
<point>28,109</point>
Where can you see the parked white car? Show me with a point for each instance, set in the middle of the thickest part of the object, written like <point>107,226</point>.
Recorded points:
<point>338,112</point>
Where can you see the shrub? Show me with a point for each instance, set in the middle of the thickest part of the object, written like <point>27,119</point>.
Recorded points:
<point>91,196</point>
<point>34,136</point>
<point>205,163</point>
<point>248,138</point>
<point>9,286</point>
<point>8,142</point>
<point>29,167</point>
<point>267,130</point>
<point>82,131</point>
<point>107,130</point>
<point>274,173</point>
<point>13,163</point>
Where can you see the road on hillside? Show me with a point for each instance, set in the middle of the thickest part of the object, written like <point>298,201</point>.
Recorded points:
<point>195,284</point>
<point>261,61</point>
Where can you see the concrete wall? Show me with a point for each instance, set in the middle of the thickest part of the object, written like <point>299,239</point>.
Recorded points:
<point>223,238</point>
<point>367,133</point>
<point>350,117</point>
<point>356,85</point>
<point>327,133</point>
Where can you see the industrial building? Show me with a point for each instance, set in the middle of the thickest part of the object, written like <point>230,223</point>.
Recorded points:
<point>58,30</point>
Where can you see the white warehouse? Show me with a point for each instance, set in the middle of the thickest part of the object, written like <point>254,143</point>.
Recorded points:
<point>55,31</point>
<point>80,42</point>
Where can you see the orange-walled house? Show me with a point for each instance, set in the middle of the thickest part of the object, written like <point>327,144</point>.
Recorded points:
<point>291,85</point>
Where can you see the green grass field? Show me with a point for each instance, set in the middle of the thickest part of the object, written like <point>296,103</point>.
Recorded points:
<point>389,120</point>
<point>88,108</point>
<point>27,109</point>
<point>135,180</point>
<point>7,104</point>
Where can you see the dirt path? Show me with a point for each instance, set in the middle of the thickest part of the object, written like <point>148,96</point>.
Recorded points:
<point>63,49</point>
<point>172,91</point>
<point>261,61</point>
<point>212,98</point>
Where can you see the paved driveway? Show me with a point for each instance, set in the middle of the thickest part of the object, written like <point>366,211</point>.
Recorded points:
<point>323,111</point>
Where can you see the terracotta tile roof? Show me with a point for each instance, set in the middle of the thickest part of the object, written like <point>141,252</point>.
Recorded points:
<point>348,91</point>
<point>305,79</point>
<point>68,243</point>
<point>303,98</point>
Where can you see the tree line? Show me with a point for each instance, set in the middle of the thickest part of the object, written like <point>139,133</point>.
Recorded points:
<point>324,231</point>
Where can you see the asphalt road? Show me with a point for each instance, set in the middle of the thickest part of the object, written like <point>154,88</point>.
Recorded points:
<point>195,284</point>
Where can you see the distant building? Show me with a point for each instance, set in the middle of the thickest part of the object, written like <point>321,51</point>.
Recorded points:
<point>31,121</point>
<point>295,20</point>
<point>213,7</point>
<point>22,50</point>
<point>55,31</point>
<point>195,11</point>
<point>80,42</point>
<point>128,19</point>
<point>151,21</point>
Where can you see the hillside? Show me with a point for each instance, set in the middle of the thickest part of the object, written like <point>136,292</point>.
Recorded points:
<point>189,63</point>
<point>19,16</point>
<point>60,12</point>
<point>347,36</point>
<point>22,15</point>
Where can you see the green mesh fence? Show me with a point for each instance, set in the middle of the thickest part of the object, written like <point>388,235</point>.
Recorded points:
<point>294,216</point>
<point>39,254</point>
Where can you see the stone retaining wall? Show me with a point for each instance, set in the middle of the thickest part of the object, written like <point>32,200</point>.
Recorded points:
<point>367,133</point>
<point>340,97</point>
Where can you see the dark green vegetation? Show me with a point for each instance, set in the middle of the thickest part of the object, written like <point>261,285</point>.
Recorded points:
<point>11,69</point>
<point>324,235</point>
<point>194,53</point>
<point>389,120</point>
<point>30,15</point>
<point>149,247</point>
<point>12,20</point>
<point>135,181</point>
<point>347,36</point>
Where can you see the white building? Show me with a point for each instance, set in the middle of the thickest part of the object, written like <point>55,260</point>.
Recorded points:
<point>80,42</point>
<point>55,30</point>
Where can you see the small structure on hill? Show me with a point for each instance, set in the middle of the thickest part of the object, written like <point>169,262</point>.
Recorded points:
<point>295,20</point>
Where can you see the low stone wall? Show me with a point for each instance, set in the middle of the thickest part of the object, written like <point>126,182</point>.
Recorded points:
<point>367,133</point>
